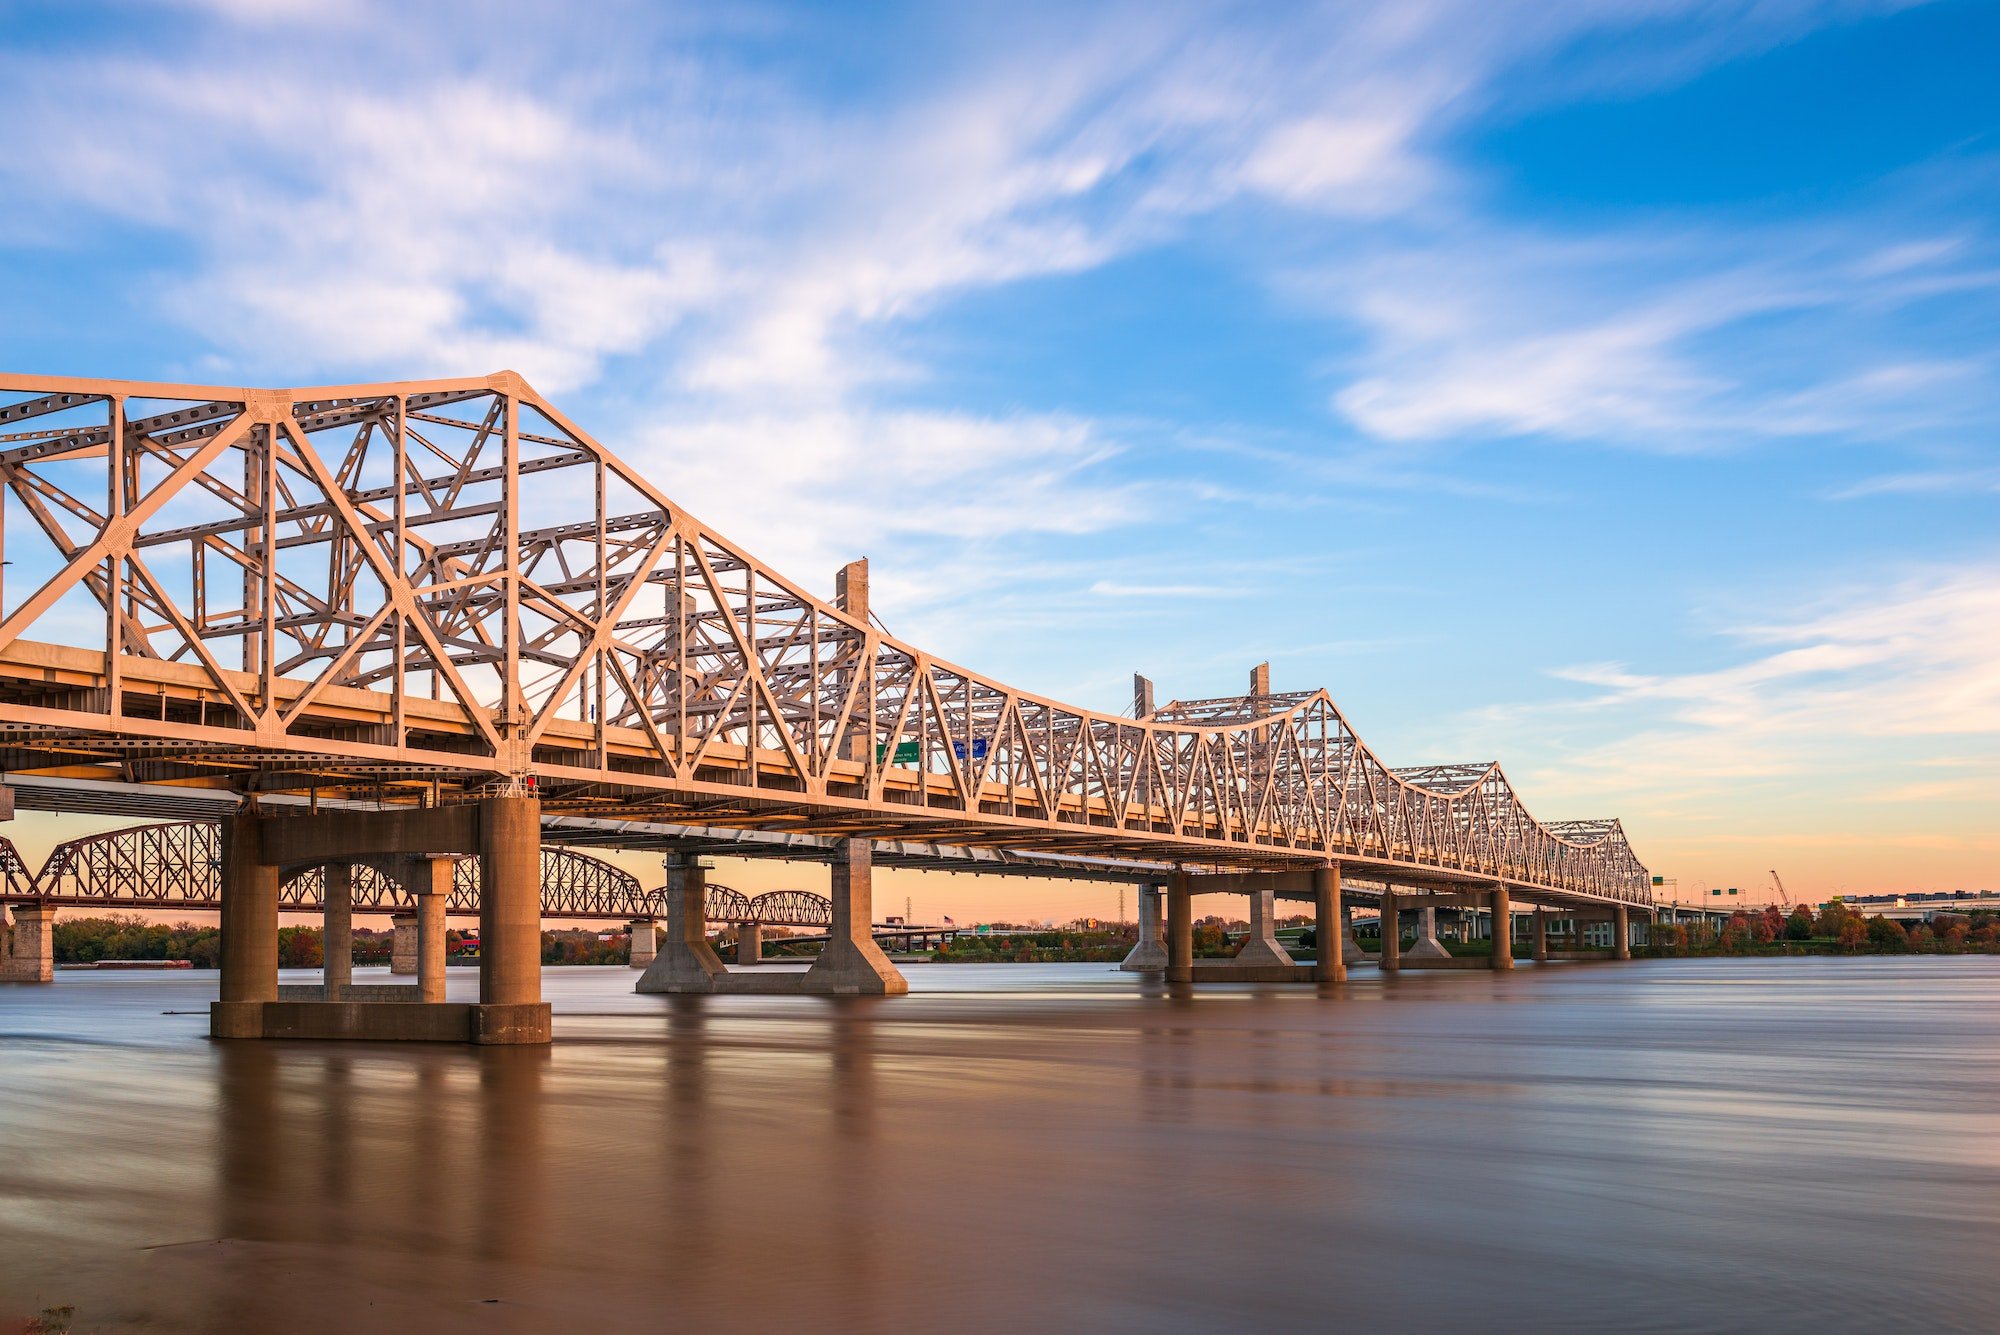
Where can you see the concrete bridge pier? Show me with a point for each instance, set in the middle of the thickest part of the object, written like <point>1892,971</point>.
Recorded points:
<point>1621,940</point>
<point>30,956</point>
<point>1329,925</point>
<point>1427,946</point>
<point>337,930</point>
<point>645,943</point>
<point>749,943</point>
<point>1180,929</point>
<point>1260,949</point>
<point>511,1009</point>
<point>249,939</point>
<point>403,943</point>
<point>686,962</point>
<point>1503,929</point>
<point>1350,949</point>
<point>1541,936</point>
<point>852,964</point>
<point>1392,932</point>
<point>503,832</point>
<point>430,885</point>
<point>1149,954</point>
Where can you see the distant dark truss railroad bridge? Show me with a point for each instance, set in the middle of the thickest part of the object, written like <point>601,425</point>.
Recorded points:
<point>178,865</point>
<point>426,593</point>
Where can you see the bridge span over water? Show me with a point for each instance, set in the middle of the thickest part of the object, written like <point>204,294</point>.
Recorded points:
<point>438,619</point>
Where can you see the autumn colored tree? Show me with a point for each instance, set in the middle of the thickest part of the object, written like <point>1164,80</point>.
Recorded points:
<point>299,948</point>
<point>1888,934</point>
<point>1210,939</point>
<point>1852,933</point>
<point>1736,933</point>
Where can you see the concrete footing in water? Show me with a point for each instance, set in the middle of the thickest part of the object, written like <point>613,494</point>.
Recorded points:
<point>30,956</point>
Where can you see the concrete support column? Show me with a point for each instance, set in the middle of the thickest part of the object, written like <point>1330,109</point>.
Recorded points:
<point>1180,930</point>
<point>1427,946</point>
<point>1541,929</point>
<point>645,943</point>
<point>750,943</point>
<point>1149,953</point>
<point>430,886</point>
<point>1621,926</point>
<point>686,962</point>
<point>249,932</point>
<point>511,1009</point>
<point>1392,932</point>
<point>1261,949</point>
<point>1503,928</point>
<point>1329,932</point>
<point>1350,949</point>
<point>852,964</point>
<point>403,943</point>
<point>337,929</point>
<point>249,914</point>
<point>31,958</point>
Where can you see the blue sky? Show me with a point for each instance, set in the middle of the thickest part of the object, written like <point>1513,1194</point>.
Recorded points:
<point>1610,388</point>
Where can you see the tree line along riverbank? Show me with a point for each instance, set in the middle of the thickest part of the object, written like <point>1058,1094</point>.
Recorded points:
<point>129,937</point>
<point>1834,929</point>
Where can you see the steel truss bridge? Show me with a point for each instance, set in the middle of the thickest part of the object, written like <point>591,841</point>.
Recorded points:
<point>427,591</point>
<point>178,865</point>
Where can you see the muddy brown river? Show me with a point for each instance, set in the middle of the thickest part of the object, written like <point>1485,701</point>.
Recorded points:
<point>1767,1145</point>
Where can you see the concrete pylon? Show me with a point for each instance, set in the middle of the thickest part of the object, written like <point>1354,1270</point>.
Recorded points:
<point>1621,925</point>
<point>1180,929</point>
<point>249,937</point>
<point>852,964</point>
<point>1149,954</point>
<point>1392,932</point>
<point>686,962</point>
<point>1350,949</point>
<point>1427,946</point>
<point>429,882</point>
<point>510,1009</point>
<point>1329,935</point>
<point>645,943</point>
<point>749,943</point>
<point>403,943</point>
<point>337,929</point>
<point>1541,936</point>
<point>31,956</point>
<point>1503,928</point>
<point>1261,948</point>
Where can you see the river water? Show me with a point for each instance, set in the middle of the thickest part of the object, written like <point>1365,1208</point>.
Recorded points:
<point>1769,1145</point>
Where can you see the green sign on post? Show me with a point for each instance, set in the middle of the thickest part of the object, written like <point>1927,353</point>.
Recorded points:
<point>907,753</point>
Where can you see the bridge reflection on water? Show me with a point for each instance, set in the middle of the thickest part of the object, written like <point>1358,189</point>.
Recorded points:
<point>1028,1147</point>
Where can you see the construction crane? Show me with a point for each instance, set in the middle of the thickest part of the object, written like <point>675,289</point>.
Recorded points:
<point>1783,898</point>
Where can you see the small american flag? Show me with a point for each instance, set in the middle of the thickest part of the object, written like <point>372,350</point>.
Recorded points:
<point>948,922</point>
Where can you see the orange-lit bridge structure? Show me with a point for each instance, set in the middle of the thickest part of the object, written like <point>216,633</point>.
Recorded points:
<point>439,620</point>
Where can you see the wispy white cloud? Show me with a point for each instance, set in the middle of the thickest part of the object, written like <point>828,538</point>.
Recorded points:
<point>1823,698</point>
<point>1943,481</point>
<point>1481,329</point>
<point>1107,588</point>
